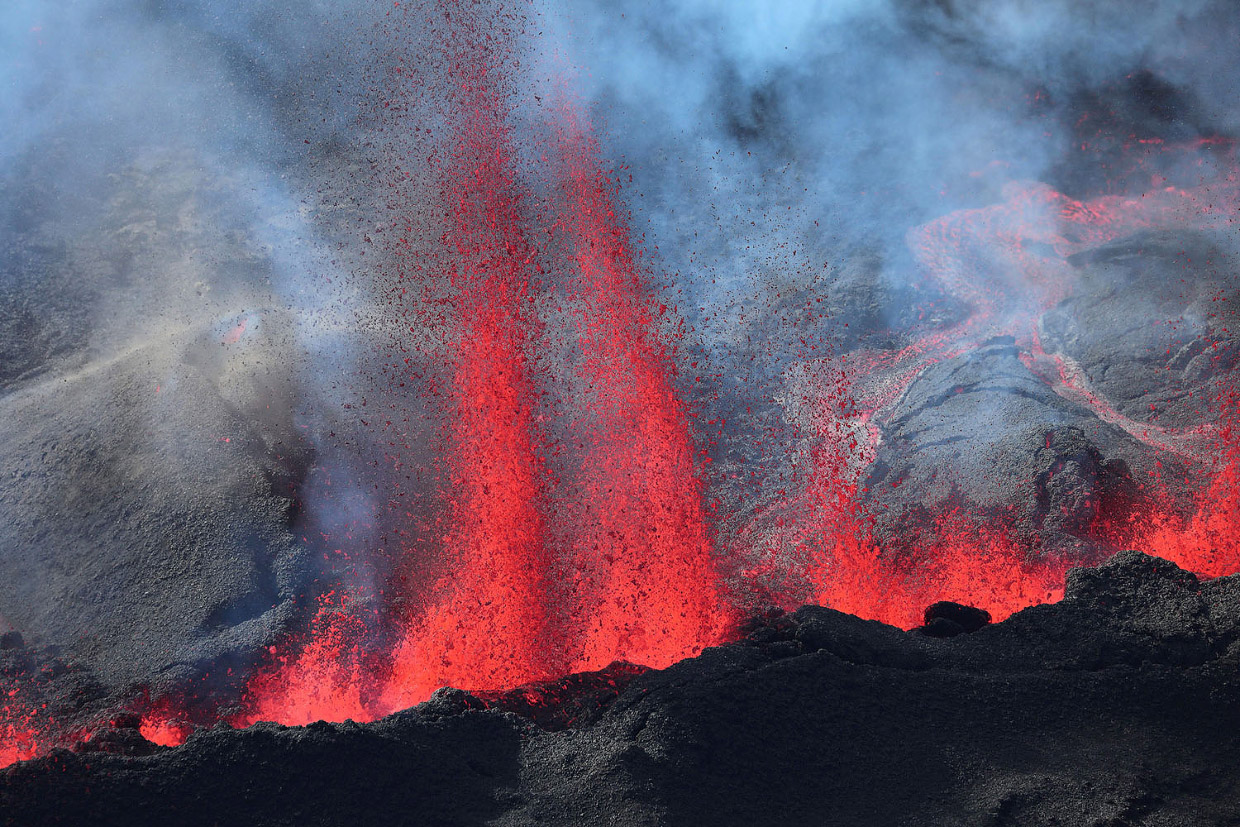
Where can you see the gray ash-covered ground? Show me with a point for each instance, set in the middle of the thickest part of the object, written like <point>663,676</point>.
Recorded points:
<point>1115,706</point>
<point>152,471</point>
<point>1150,295</point>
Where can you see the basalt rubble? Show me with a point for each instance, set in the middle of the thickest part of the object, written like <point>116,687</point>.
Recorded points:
<point>1117,705</point>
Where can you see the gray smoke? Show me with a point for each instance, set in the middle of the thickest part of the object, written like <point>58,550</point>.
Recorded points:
<point>871,117</point>
<point>783,151</point>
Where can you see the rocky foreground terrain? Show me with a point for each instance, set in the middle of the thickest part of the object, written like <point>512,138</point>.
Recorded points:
<point>1116,706</point>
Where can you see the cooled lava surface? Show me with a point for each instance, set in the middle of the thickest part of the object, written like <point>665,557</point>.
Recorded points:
<point>1116,705</point>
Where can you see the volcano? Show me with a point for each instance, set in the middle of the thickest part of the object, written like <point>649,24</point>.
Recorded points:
<point>509,413</point>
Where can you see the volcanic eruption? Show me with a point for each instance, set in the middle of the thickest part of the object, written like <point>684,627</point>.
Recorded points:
<point>496,369</point>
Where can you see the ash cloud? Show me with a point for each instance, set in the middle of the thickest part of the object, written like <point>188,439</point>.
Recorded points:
<point>782,152</point>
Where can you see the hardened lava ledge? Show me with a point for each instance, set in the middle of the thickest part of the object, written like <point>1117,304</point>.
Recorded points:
<point>1117,705</point>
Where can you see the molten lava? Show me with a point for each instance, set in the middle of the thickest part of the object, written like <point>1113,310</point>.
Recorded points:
<point>647,590</point>
<point>491,625</point>
<point>17,742</point>
<point>324,681</point>
<point>642,584</point>
<point>1208,540</point>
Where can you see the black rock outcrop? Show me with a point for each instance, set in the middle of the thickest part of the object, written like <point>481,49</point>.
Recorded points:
<point>1117,705</point>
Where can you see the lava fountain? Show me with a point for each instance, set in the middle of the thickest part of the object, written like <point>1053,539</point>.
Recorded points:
<point>637,581</point>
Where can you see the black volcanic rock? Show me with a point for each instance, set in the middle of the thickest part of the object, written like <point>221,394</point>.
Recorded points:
<point>572,701</point>
<point>982,432</point>
<point>968,618</point>
<point>122,739</point>
<point>43,691</point>
<point>948,619</point>
<point>1115,706</point>
<point>1152,323</point>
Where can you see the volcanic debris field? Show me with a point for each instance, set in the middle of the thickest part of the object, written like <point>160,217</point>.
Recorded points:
<point>532,413</point>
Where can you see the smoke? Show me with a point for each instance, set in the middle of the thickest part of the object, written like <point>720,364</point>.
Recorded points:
<point>784,151</point>
<point>872,117</point>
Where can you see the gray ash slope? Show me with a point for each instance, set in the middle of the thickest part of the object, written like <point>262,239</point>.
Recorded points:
<point>1116,706</point>
<point>1149,326</point>
<point>151,469</point>
<point>983,433</point>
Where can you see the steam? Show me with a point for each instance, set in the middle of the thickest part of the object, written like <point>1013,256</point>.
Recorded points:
<point>870,117</point>
<point>786,150</point>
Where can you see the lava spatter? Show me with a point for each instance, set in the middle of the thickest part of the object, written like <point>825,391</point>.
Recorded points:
<point>643,586</point>
<point>19,741</point>
<point>648,590</point>
<point>490,622</point>
<point>324,680</point>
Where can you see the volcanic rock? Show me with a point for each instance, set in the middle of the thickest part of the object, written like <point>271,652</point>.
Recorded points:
<point>120,737</point>
<point>948,619</point>
<point>1115,706</point>
<point>982,433</point>
<point>572,701</point>
<point>1152,323</point>
<point>40,691</point>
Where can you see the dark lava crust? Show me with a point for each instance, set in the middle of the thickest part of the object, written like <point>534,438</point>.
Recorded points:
<point>1118,706</point>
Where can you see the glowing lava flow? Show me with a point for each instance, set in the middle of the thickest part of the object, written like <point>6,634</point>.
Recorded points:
<point>324,681</point>
<point>647,581</point>
<point>1009,263</point>
<point>965,562</point>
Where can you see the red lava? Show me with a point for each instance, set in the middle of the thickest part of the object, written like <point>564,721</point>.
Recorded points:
<point>641,583</point>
